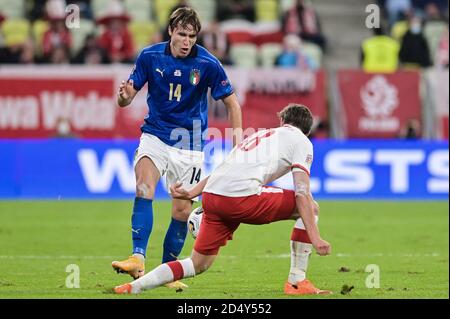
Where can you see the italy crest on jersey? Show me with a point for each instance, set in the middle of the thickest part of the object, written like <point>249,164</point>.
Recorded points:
<point>194,78</point>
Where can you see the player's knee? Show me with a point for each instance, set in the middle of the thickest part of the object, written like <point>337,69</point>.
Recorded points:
<point>144,190</point>
<point>181,212</point>
<point>201,267</point>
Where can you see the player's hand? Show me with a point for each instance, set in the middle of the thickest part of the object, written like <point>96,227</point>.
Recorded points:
<point>322,247</point>
<point>178,192</point>
<point>126,89</point>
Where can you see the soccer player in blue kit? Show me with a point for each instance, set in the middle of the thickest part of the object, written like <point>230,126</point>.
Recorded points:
<point>179,73</point>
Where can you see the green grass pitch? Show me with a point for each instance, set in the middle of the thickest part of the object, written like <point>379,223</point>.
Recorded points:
<point>407,241</point>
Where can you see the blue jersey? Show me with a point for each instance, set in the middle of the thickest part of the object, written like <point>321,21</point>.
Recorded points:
<point>177,92</point>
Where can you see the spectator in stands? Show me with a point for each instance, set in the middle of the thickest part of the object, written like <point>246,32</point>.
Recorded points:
<point>411,130</point>
<point>302,20</point>
<point>379,53</point>
<point>319,129</point>
<point>292,55</point>
<point>395,9</point>
<point>63,128</point>
<point>17,49</point>
<point>91,52</point>
<point>420,6</point>
<point>57,35</point>
<point>116,40</point>
<point>59,55</point>
<point>216,42</point>
<point>18,53</point>
<point>235,9</point>
<point>442,51</point>
<point>85,8</point>
<point>27,55</point>
<point>2,18</point>
<point>433,13</point>
<point>35,10</point>
<point>414,50</point>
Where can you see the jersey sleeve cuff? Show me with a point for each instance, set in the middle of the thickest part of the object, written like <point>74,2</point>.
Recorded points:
<point>298,167</point>
<point>224,96</point>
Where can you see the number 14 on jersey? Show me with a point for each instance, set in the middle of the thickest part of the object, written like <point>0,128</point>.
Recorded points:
<point>175,93</point>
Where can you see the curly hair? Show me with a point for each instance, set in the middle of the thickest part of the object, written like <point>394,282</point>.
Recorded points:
<point>297,115</point>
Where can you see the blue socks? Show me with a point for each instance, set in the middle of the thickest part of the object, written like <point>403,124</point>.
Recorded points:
<point>174,240</point>
<point>141,228</point>
<point>141,224</point>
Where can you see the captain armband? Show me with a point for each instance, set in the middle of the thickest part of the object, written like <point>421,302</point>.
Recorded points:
<point>302,189</point>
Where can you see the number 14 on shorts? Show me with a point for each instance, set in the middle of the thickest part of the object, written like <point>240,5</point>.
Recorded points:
<point>196,174</point>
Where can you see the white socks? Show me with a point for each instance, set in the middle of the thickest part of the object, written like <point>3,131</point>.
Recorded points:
<point>300,253</point>
<point>301,249</point>
<point>163,274</point>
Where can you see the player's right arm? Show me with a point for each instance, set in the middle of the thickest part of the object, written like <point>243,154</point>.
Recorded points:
<point>126,93</point>
<point>305,205</point>
<point>138,77</point>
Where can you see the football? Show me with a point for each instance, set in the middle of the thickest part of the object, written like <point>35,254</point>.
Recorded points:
<point>194,221</point>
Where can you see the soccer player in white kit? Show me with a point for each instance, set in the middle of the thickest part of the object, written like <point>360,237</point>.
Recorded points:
<point>235,193</point>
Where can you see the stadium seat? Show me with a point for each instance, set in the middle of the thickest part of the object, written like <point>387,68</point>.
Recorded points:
<point>266,10</point>
<point>399,29</point>
<point>205,9</point>
<point>79,34</point>
<point>12,9</point>
<point>38,29</point>
<point>162,9</point>
<point>15,31</point>
<point>244,55</point>
<point>238,30</point>
<point>268,53</point>
<point>314,52</point>
<point>142,33</point>
<point>433,32</point>
<point>236,37</point>
<point>267,32</point>
<point>139,10</point>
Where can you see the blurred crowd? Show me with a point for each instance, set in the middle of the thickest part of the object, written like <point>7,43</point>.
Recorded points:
<point>246,33</point>
<point>414,35</point>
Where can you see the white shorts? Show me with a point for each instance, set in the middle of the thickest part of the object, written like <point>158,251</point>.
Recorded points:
<point>176,164</point>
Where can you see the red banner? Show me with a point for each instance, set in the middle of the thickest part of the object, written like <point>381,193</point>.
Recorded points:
<point>378,105</point>
<point>33,101</point>
<point>33,107</point>
<point>264,92</point>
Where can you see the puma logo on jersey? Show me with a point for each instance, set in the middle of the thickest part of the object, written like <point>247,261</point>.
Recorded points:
<point>161,72</point>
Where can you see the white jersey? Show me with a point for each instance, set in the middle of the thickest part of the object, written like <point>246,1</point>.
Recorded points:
<point>260,159</point>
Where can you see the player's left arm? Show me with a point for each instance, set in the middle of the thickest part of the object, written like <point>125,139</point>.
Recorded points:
<point>305,206</point>
<point>235,117</point>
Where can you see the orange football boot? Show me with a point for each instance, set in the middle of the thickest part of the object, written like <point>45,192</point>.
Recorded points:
<point>177,285</point>
<point>132,266</point>
<point>304,287</point>
<point>123,289</point>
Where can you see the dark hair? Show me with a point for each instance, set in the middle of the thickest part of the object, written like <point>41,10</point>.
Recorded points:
<point>297,115</point>
<point>185,16</point>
